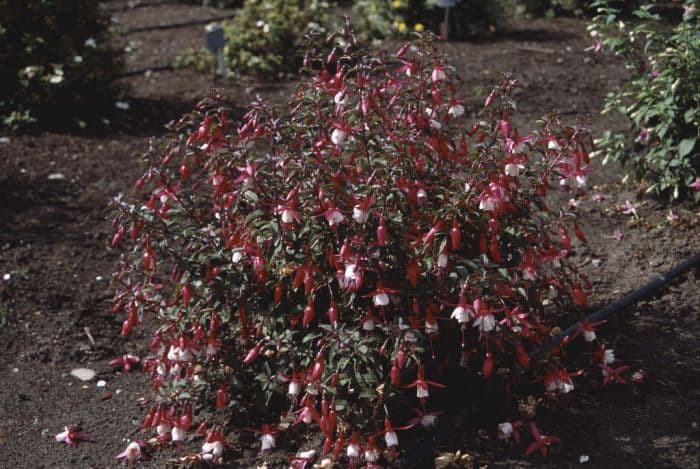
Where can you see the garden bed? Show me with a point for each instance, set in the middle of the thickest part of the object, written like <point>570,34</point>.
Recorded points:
<point>55,305</point>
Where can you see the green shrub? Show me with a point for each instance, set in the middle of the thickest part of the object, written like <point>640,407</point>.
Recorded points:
<point>661,98</point>
<point>390,18</point>
<point>328,269</point>
<point>55,58</point>
<point>398,18</point>
<point>260,40</point>
<point>471,18</point>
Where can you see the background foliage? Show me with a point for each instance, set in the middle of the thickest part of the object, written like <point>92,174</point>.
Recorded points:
<point>661,98</point>
<point>55,58</point>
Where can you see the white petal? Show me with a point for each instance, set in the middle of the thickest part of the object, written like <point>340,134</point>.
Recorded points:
<point>353,450</point>
<point>268,441</point>
<point>391,439</point>
<point>506,429</point>
<point>338,136</point>
<point>381,299</point>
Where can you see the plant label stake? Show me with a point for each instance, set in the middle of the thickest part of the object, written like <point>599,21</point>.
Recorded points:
<point>446,4</point>
<point>214,39</point>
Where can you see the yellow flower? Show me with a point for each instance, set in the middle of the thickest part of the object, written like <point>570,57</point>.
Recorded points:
<point>396,4</point>
<point>402,27</point>
<point>418,27</point>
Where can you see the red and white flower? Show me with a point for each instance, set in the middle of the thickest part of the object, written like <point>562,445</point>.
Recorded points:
<point>133,452</point>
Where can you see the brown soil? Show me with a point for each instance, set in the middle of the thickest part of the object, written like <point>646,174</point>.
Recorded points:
<point>55,309</point>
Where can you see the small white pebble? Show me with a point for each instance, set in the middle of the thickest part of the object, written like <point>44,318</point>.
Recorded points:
<point>83,374</point>
<point>98,278</point>
<point>118,391</point>
<point>15,370</point>
<point>4,140</point>
<point>122,105</point>
<point>583,459</point>
<point>6,277</point>
<point>101,383</point>
<point>56,177</point>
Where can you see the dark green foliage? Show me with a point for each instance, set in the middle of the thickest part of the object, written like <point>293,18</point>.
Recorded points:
<point>55,58</point>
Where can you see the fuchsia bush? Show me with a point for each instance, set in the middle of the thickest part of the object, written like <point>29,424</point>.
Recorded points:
<point>327,268</point>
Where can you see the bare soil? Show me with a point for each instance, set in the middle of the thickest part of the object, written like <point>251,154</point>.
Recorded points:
<point>55,308</point>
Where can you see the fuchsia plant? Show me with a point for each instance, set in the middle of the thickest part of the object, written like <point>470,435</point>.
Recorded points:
<point>326,269</point>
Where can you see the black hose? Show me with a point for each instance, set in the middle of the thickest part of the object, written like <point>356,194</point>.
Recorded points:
<point>134,5</point>
<point>415,455</point>
<point>160,27</point>
<point>616,306</point>
<point>141,71</point>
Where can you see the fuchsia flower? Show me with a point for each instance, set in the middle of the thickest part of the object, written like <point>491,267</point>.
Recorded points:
<point>133,452</point>
<point>340,133</point>
<point>491,198</point>
<point>696,184</point>
<point>247,172</point>
<point>463,312</point>
<point>360,213</point>
<point>422,385</point>
<point>126,361</point>
<point>560,380</point>
<point>508,429</point>
<point>438,73</point>
<point>644,136</point>
<point>303,459</point>
<point>380,296</point>
<point>628,208</point>
<point>608,357</point>
<point>353,450</point>
<point>333,216</point>
<point>71,436</point>
<point>456,108</point>
<point>638,376</point>
<point>368,321</point>
<point>372,452</point>
<point>407,68</point>
<point>587,329</point>
<point>288,214</point>
<point>513,166</point>
<point>485,320</point>
<point>268,437</point>
<point>426,419</point>
<point>213,447</point>
<point>350,277</point>
<point>540,442</point>
<point>596,47</point>
<point>177,432</point>
<point>307,412</point>
<point>296,382</point>
<point>390,438</point>
<point>613,375</point>
<point>180,351</point>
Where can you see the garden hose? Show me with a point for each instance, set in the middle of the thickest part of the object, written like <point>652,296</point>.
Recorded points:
<point>414,456</point>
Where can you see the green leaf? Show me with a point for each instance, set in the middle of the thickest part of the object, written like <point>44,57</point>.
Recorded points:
<point>689,115</point>
<point>685,147</point>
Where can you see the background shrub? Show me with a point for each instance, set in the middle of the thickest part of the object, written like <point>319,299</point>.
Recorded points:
<point>55,58</point>
<point>329,268</point>
<point>398,18</point>
<point>261,41</point>
<point>378,19</point>
<point>661,98</point>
